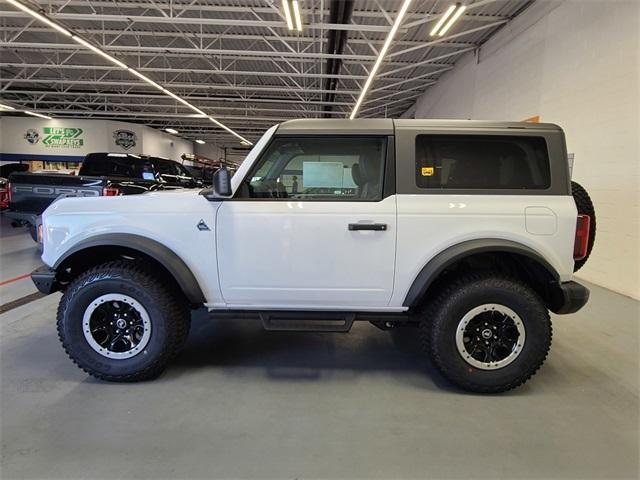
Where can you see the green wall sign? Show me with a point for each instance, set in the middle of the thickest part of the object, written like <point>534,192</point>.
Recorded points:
<point>59,137</point>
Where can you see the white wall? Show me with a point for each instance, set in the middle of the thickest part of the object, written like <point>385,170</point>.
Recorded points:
<point>574,63</point>
<point>161,144</point>
<point>96,136</point>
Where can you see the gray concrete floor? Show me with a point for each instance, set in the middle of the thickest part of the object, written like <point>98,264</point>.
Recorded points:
<point>243,403</point>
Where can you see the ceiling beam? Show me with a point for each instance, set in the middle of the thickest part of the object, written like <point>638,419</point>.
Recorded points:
<point>211,71</point>
<point>193,98</point>
<point>174,85</point>
<point>104,32</point>
<point>228,22</point>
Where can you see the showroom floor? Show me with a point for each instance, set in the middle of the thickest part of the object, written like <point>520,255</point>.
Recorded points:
<point>243,403</point>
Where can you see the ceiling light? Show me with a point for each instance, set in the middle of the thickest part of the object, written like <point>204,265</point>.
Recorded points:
<point>201,142</point>
<point>35,114</point>
<point>383,51</point>
<point>243,140</point>
<point>42,18</point>
<point>95,49</point>
<point>456,15</point>
<point>6,107</point>
<point>287,14</point>
<point>442,20</point>
<point>146,79</point>
<point>296,15</point>
<point>171,130</point>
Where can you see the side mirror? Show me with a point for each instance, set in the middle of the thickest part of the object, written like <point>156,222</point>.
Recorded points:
<point>222,183</point>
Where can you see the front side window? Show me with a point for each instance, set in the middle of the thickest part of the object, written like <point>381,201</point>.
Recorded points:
<point>487,162</point>
<point>321,168</point>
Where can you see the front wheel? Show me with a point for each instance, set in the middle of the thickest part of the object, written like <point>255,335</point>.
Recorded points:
<point>487,334</point>
<point>119,323</point>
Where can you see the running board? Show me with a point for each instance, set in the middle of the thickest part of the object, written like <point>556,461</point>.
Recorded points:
<point>313,321</point>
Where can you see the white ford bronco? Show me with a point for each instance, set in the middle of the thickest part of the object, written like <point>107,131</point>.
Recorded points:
<point>467,230</point>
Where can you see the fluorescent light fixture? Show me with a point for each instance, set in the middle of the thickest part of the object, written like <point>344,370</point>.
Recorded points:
<point>40,17</point>
<point>147,79</point>
<point>201,142</point>
<point>5,107</point>
<point>443,19</point>
<point>287,14</point>
<point>35,114</point>
<point>246,143</point>
<point>296,15</point>
<point>456,15</point>
<point>242,139</point>
<point>171,130</point>
<point>383,52</point>
<point>95,49</point>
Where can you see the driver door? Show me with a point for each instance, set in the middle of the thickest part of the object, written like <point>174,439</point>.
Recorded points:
<point>311,227</point>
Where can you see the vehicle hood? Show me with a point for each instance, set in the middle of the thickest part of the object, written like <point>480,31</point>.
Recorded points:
<point>167,201</point>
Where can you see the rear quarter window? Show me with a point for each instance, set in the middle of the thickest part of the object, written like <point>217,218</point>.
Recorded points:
<point>482,162</point>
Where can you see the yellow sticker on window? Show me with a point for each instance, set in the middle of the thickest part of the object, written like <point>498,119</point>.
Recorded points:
<point>427,171</point>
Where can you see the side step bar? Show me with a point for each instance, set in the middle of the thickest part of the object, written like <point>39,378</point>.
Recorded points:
<point>312,322</point>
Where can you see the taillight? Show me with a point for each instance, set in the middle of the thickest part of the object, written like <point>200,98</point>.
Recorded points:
<point>40,234</point>
<point>110,192</point>
<point>582,237</point>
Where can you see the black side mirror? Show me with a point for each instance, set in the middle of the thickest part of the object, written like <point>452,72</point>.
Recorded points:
<point>222,183</point>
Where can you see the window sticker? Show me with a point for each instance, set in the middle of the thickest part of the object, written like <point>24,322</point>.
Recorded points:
<point>427,171</point>
<point>148,175</point>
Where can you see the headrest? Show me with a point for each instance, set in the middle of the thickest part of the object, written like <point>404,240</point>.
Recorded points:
<point>357,176</point>
<point>370,169</point>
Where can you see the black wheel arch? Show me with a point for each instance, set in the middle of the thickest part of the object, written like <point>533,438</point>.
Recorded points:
<point>113,245</point>
<point>512,257</point>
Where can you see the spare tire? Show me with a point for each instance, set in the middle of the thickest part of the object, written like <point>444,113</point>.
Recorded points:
<point>585,207</point>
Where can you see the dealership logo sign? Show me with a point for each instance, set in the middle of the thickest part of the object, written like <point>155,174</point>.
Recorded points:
<point>60,137</point>
<point>125,138</point>
<point>32,136</point>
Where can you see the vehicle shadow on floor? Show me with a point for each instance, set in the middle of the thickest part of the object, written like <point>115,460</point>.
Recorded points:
<point>306,356</point>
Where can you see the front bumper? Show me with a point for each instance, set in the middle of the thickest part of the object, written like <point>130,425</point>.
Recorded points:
<point>45,280</point>
<point>572,297</point>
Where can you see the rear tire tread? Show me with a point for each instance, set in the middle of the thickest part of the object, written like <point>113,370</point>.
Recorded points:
<point>455,289</point>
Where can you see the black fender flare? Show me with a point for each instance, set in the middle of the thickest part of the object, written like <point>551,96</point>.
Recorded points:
<point>159,252</point>
<point>452,254</point>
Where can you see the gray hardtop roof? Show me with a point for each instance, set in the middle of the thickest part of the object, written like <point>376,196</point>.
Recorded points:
<point>385,126</point>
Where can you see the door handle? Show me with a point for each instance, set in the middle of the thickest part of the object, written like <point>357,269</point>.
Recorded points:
<point>368,226</point>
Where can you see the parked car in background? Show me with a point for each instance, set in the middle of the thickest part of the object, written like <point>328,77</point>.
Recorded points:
<point>4,193</point>
<point>9,168</point>
<point>101,174</point>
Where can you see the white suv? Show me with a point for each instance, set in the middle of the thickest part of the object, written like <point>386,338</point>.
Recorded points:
<point>467,230</point>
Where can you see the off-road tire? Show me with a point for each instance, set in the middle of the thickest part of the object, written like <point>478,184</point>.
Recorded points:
<point>585,207</point>
<point>168,313</point>
<point>441,316</point>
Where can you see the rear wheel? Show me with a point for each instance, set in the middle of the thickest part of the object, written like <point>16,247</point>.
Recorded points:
<point>487,334</point>
<point>119,323</point>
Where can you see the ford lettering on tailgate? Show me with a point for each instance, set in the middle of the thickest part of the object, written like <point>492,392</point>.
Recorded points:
<point>49,191</point>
